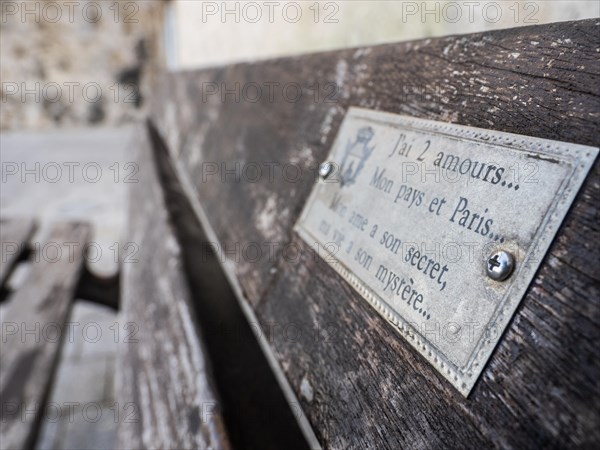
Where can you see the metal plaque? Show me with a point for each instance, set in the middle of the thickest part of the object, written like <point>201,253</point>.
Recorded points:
<point>441,227</point>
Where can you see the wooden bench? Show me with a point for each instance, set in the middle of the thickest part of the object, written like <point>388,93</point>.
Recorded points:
<point>214,366</point>
<point>33,317</point>
<point>198,375</point>
<point>33,321</point>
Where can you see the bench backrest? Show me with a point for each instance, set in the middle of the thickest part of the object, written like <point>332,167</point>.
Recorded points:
<point>356,380</point>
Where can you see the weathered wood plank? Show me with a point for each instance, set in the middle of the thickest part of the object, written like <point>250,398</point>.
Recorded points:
<point>368,387</point>
<point>32,331</point>
<point>164,373</point>
<point>14,235</point>
<point>258,409</point>
<point>548,91</point>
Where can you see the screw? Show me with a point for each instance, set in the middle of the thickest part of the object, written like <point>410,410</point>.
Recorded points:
<point>325,169</point>
<point>500,265</point>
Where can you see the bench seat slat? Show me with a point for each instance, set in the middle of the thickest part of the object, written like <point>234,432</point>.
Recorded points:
<point>32,330</point>
<point>164,373</point>
<point>14,235</point>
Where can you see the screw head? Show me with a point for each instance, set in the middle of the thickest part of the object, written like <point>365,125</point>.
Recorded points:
<point>500,265</point>
<point>325,169</point>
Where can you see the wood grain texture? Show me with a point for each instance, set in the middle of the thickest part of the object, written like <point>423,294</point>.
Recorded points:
<point>163,373</point>
<point>369,389</point>
<point>14,236</point>
<point>251,397</point>
<point>33,326</point>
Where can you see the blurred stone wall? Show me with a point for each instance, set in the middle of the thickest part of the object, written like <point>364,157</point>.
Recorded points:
<point>77,63</point>
<point>81,62</point>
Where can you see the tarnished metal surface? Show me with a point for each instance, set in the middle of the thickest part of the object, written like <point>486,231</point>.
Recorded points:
<point>412,211</point>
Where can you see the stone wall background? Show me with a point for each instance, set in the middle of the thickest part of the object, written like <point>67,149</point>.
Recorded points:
<point>84,70</point>
<point>78,64</point>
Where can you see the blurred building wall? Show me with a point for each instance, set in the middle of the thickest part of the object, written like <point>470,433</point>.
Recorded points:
<point>77,63</point>
<point>214,32</point>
